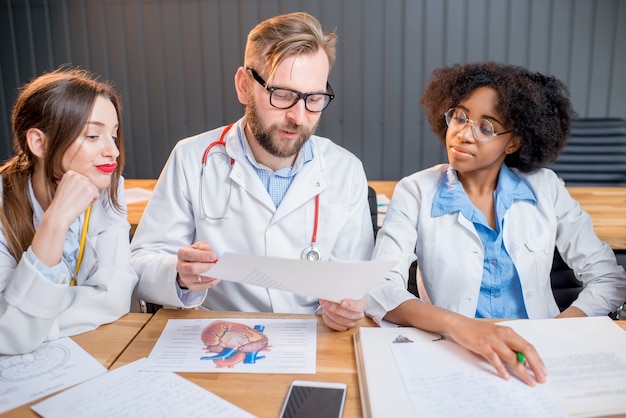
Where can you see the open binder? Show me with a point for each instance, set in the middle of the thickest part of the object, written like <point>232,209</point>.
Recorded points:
<point>585,357</point>
<point>380,383</point>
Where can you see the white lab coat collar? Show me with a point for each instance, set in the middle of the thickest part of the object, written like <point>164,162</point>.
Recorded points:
<point>308,182</point>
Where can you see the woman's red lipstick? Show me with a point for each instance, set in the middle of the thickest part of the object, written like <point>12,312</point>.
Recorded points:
<point>107,168</point>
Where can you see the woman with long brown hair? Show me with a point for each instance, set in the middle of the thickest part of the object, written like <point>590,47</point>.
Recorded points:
<point>64,243</point>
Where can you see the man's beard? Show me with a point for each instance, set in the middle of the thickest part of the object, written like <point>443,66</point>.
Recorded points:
<point>267,137</point>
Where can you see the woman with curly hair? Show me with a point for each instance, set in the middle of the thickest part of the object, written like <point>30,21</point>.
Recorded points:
<point>64,248</point>
<point>484,227</point>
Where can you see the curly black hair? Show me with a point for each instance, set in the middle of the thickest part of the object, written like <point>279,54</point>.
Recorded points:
<point>534,106</point>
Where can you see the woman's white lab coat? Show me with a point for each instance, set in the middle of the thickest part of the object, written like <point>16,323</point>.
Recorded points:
<point>175,217</point>
<point>33,309</point>
<point>450,254</point>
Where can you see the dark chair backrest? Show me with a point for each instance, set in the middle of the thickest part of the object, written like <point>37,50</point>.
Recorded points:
<point>595,153</point>
<point>371,198</point>
<point>565,285</point>
<point>412,283</point>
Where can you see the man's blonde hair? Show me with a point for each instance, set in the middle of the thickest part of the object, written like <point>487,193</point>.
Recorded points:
<point>279,37</point>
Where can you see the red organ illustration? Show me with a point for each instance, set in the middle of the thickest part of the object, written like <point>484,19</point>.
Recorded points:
<point>233,343</point>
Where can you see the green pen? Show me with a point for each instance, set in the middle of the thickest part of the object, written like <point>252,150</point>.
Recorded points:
<point>521,358</point>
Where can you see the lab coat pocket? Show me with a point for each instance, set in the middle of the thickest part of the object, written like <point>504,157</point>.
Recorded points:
<point>335,211</point>
<point>333,219</point>
<point>539,254</point>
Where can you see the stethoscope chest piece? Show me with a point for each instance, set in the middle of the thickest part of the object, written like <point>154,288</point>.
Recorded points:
<point>311,253</point>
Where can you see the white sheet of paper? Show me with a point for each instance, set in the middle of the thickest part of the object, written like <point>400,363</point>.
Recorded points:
<point>585,358</point>
<point>54,366</point>
<point>130,392</point>
<point>586,362</point>
<point>331,280</point>
<point>445,380</point>
<point>291,347</point>
<point>136,195</point>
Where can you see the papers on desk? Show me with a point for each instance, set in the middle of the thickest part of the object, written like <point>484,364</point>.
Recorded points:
<point>54,366</point>
<point>332,280</point>
<point>237,345</point>
<point>430,376</point>
<point>130,392</point>
<point>586,361</point>
<point>136,195</point>
<point>459,384</point>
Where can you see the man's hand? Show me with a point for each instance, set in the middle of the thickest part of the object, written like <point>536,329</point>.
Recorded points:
<point>193,261</point>
<point>344,315</point>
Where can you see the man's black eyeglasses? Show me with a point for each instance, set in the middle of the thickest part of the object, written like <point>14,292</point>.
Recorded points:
<point>284,98</point>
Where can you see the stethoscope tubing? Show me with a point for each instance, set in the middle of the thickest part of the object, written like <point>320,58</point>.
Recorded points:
<point>220,141</point>
<point>311,252</point>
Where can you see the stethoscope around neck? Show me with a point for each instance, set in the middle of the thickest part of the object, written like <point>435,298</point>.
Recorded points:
<point>310,253</point>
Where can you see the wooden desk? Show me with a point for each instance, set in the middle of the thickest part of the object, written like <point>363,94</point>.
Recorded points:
<point>606,205</point>
<point>105,343</point>
<point>607,208</point>
<point>135,210</point>
<point>383,187</point>
<point>108,341</point>
<point>262,394</point>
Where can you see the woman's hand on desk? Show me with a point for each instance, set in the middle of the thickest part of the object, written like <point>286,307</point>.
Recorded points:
<point>342,316</point>
<point>500,346</point>
<point>193,261</point>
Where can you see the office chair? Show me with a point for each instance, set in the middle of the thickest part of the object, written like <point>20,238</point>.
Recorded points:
<point>412,284</point>
<point>371,199</point>
<point>565,285</point>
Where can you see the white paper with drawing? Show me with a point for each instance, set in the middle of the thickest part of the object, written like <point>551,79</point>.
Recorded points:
<point>54,366</point>
<point>332,280</point>
<point>236,345</point>
<point>130,392</point>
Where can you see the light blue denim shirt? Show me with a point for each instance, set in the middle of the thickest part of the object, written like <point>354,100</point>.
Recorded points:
<point>500,291</point>
<point>277,182</point>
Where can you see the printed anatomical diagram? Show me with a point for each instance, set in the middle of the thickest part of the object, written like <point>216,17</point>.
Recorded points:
<point>233,343</point>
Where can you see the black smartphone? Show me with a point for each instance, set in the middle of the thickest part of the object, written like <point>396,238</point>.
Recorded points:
<point>314,399</point>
